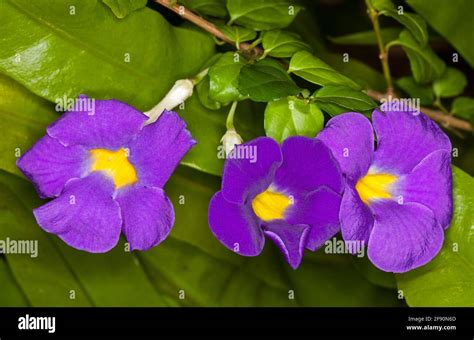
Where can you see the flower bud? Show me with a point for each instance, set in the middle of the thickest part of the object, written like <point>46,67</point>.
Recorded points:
<point>230,140</point>
<point>181,90</point>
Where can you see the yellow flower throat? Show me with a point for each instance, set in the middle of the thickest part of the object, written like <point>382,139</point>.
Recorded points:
<point>270,205</point>
<point>375,186</point>
<point>114,164</point>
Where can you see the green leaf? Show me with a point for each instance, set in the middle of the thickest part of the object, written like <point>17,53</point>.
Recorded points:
<point>425,64</point>
<point>214,8</point>
<point>313,69</point>
<point>373,274</point>
<point>262,14</point>
<point>224,75</point>
<point>413,23</point>
<point>11,295</point>
<point>292,116</point>
<point>415,90</point>
<point>23,120</point>
<point>266,80</point>
<point>453,20</point>
<point>448,280</point>
<point>344,97</point>
<point>367,37</point>
<point>451,83</point>
<point>463,107</point>
<point>94,51</point>
<point>122,8</point>
<point>203,89</point>
<point>238,34</point>
<point>382,5</point>
<point>281,44</point>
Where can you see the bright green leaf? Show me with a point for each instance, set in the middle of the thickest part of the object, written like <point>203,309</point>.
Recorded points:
<point>413,89</point>
<point>425,64</point>
<point>448,280</point>
<point>238,34</point>
<point>214,8</point>
<point>313,69</point>
<point>262,14</point>
<point>266,80</point>
<point>224,76</point>
<point>367,37</point>
<point>122,8</point>
<point>94,53</point>
<point>344,97</point>
<point>281,44</point>
<point>292,116</point>
<point>453,20</point>
<point>450,84</point>
<point>463,107</point>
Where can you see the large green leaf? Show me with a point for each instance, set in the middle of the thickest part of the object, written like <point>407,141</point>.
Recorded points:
<point>313,69</point>
<point>266,80</point>
<point>425,64</point>
<point>224,77</point>
<point>448,280</point>
<point>292,116</point>
<point>215,8</point>
<point>262,14</point>
<point>122,8</point>
<point>345,97</point>
<point>450,84</point>
<point>453,20</point>
<point>57,53</point>
<point>11,295</point>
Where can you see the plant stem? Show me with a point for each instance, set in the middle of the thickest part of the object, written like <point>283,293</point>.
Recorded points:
<point>383,52</point>
<point>200,76</point>
<point>230,117</point>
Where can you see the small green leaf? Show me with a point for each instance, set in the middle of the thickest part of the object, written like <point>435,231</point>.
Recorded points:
<point>262,14</point>
<point>413,89</point>
<point>266,80</point>
<point>413,23</point>
<point>203,93</point>
<point>214,8</point>
<point>292,116</point>
<point>281,44</point>
<point>238,34</point>
<point>425,64</point>
<point>122,8</point>
<point>448,280</point>
<point>345,97</point>
<point>367,37</point>
<point>463,107</point>
<point>450,84</point>
<point>224,75</point>
<point>313,69</point>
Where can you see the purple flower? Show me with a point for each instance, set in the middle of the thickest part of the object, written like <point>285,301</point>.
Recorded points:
<point>291,194</point>
<point>107,171</point>
<point>398,197</point>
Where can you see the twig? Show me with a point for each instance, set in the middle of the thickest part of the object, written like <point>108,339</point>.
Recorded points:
<point>208,26</point>
<point>437,116</point>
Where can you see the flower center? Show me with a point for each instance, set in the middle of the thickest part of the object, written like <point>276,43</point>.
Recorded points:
<point>375,186</point>
<point>115,164</point>
<point>270,205</point>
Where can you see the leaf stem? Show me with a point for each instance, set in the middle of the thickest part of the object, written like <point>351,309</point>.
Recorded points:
<point>383,51</point>
<point>230,117</point>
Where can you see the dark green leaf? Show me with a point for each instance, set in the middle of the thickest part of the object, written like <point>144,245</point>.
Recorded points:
<point>262,14</point>
<point>292,116</point>
<point>448,280</point>
<point>450,84</point>
<point>415,90</point>
<point>313,69</point>
<point>413,23</point>
<point>367,37</point>
<point>463,107</point>
<point>122,8</point>
<point>373,274</point>
<point>11,295</point>
<point>266,80</point>
<point>215,8</point>
<point>238,34</point>
<point>453,20</point>
<point>281,44</point>
<point>94,51</point>
<point>224,75</point>
<point>344,97</point>
<point>425,64</point>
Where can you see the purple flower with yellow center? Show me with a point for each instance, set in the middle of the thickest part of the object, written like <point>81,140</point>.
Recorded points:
<point>398,196</point>
<point>106,172</point>
<point>290,194</point>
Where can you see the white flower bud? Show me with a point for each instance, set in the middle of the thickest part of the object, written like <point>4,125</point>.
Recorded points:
<point>230,140</point>
<point>181,90</point>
